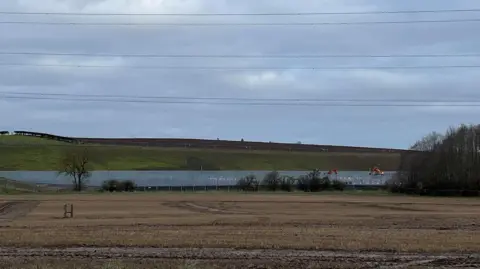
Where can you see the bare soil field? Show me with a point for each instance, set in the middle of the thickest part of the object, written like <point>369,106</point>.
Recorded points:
<point>218,230</point>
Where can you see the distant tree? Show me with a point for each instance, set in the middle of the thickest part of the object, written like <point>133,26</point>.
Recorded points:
<point>248,183</point>
<point>75,164</point>
<point>129,186</point>
<point>338,185</point>
<point>113,185</point>
<point>271,181</point>
<point>450,166</point>
<point>313,182</point>
<point>286,183</point>
<point>428,142</point>
<point>303,183</point>
<point>325,183</point>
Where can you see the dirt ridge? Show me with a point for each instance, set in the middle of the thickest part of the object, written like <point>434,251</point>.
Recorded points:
<point>385,259</point>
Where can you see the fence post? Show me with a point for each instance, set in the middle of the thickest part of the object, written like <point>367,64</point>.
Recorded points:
<point>66,212</point>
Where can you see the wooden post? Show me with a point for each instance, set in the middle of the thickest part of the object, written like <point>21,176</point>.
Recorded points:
<point>66,212</point>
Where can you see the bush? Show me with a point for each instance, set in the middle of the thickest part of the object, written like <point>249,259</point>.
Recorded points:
<point>114,185</point>
<point>286,183</point>
<point>271,181</point>
<point>313,182</point>
<point>248,183</point>
<point>325,183</point>
<point>316,182</point>
<point>303,183</point>
<point>338,185</point>
<point>129,186</point>
<point>110,185</point>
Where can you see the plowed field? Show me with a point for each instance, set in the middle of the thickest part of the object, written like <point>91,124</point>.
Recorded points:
<point>239,231</point>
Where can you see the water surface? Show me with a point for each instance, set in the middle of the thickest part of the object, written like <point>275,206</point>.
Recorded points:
<point>182,178</point>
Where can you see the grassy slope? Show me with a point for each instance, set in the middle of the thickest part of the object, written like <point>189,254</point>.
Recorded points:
<point>24,153</point>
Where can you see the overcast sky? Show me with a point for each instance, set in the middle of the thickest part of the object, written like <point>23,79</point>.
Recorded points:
<point>396,127</point>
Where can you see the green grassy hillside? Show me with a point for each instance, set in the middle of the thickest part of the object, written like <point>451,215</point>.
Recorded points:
<point>28,153</point>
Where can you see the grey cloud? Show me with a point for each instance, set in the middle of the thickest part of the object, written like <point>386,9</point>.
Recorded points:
<point>374,126</point>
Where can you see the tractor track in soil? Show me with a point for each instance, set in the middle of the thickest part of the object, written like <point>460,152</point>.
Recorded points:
<point>294,258</point>
<point>12,210</point>
<point>201,208</point>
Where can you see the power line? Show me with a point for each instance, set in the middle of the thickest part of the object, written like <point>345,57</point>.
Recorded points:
<point>470,100</point>
<point>230,68</point>
<point>236,55</point>
<point>236,24</point>
<point>244,14</point>
<point>471,104</point>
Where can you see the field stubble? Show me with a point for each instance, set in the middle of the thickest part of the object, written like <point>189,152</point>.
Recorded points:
<point>236,230</point>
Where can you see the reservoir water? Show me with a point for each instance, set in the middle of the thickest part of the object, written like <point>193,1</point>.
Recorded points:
<point>183,178</point>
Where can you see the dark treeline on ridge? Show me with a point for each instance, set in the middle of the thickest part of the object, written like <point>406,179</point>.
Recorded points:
<point>447,164</point>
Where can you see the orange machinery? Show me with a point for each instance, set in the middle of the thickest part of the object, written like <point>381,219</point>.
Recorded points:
<point>375,171</point>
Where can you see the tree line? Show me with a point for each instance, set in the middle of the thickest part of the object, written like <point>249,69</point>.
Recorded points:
<point>76,164</point>
<point>273,181</point>
<point>444,164</point>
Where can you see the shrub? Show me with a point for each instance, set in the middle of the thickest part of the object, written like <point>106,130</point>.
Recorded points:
<point>114,185</point>
<point>110,185</point>
<point>316,183</point>
<point>325,183</point>
<point>338,185</point>
<point>286,183</point>
<point>313,182</point>
<point>248,183</point>
<point>303,183</point>
<point>271,181</point>
<point>129,186</point>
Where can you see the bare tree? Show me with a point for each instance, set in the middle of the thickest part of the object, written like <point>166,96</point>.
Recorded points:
<point>428,142</point>
<point>75,163</point>
<point>451,166</point>
<point>272,181</point>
